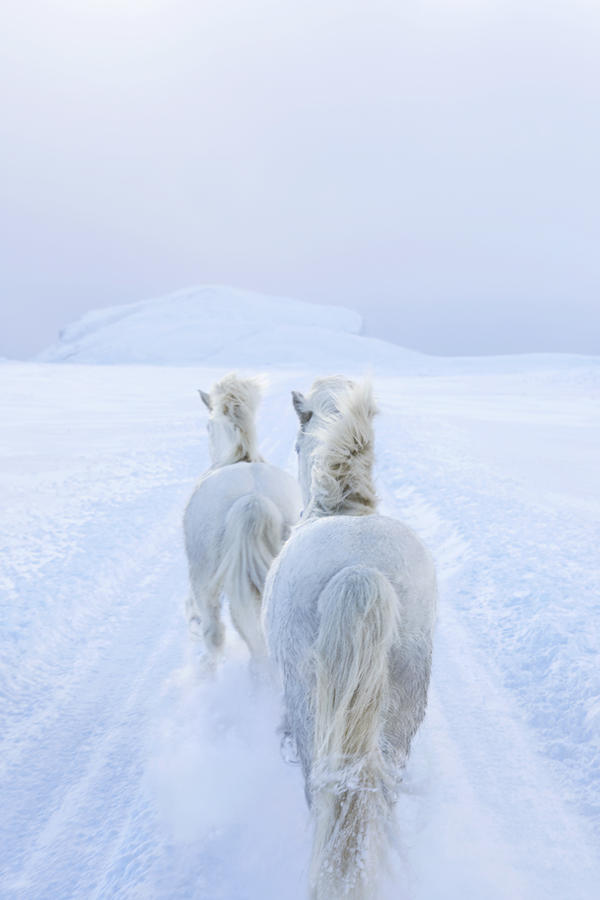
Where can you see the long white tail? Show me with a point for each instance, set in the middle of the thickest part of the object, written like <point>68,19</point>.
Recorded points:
<point>350,782</point>
<point>252,539</point>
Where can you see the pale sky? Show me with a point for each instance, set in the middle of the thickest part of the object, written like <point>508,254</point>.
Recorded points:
<point>431,163</point>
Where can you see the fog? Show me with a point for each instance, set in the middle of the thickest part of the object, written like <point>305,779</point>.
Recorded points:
<point>432,164</point>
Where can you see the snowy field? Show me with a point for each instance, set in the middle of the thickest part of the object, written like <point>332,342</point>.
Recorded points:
<point>123,774</point>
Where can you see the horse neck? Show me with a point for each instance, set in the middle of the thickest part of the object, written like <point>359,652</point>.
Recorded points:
<point>342,461</point>
<point>352,505</point>
<point>341,490</point>
<point>243,449</point>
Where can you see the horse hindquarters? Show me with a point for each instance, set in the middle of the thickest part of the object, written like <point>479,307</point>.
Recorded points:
<point>251,541</point>
<point>350,779</point>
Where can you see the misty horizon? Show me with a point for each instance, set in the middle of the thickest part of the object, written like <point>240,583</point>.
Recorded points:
<point>375,323</point>
<point>432,165</point>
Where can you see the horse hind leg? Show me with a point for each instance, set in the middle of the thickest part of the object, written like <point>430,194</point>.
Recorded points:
<point>409,689</point>
<point>203,609</point>
<point>244,607</point>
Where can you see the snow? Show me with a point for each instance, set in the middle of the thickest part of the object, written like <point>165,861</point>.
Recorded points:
<point>124,774</point>
<point>192,325</point>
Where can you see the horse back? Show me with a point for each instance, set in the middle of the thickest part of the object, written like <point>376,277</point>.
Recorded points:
<point>322,547</point>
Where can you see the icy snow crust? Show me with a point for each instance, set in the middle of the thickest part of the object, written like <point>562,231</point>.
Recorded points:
<point>123,774</point>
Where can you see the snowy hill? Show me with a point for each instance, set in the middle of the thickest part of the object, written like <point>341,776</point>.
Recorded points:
<point>227,327</point>
<point>189,326</point>
<point>196,325</point>
<point>124,775</point>
<point>224,326</point>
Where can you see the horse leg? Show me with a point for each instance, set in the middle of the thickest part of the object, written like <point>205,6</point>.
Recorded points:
<point>410,683</point>
<point>203,610</point>
<point>245,615</point>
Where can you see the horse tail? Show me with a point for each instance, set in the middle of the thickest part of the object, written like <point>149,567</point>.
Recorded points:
<point>254,533</point>
<point>351,788</point>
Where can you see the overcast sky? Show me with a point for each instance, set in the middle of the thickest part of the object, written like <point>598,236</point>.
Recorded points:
<point>431,163</point>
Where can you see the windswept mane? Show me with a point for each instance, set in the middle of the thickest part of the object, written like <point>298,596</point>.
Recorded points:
<point>237,400</point>
<point>324,395</point>
<point>342,474</point>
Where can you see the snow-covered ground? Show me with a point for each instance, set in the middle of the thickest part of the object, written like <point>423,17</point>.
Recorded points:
<point>123,774</point>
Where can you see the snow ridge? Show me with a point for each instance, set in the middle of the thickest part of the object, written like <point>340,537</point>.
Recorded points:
<point>191,325</point>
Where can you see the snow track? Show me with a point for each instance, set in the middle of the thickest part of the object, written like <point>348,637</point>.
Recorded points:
<point>71,767</point>
<point>124,774</point>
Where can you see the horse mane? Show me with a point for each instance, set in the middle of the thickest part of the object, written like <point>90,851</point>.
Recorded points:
<point>324,396</point>
<point>237,400</point>
<point>342,474</point>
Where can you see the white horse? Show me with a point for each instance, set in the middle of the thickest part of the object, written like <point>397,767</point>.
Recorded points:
<point>236,521</point>
<point>349,611</point>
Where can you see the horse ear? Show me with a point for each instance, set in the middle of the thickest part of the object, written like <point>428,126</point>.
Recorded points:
<point>302,412</point>
<point>206,399</point>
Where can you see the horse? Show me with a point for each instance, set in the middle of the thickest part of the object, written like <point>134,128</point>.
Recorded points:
<point>349,610</point>
<point>239,515</point>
